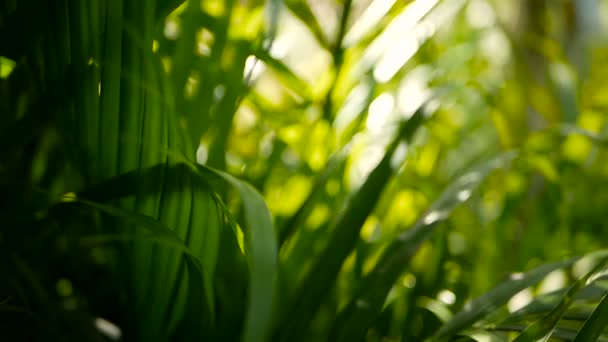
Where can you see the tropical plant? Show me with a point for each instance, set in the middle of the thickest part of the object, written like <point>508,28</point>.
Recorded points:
<point>303,170</point>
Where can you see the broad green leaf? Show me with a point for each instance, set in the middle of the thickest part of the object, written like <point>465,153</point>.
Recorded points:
<point>361,311</point>
<point>158,231</point>
<point>189,215</point>
<point>191,326</point>
<point>261,250</point>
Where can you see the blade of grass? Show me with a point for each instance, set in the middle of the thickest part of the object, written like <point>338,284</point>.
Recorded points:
<point>191,327</point>
<point>291,80</point>
<point>346,230</point>
<point>165,7</point>
<point>153,135</point>
<point>561,333</point>
<point>261,249</point>
<point>159,231</point>
<point>595,324</point>
<point>184,52</point>
<point>110,91</point>
<point>204,236</point>
<point>361,311</point>
<point>496,297</point>
<point>337,51</point>
<point>541,329</point>
<point>544,303</point>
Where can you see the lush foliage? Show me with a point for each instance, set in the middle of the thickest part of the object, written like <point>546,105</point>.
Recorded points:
<point>303,170</point>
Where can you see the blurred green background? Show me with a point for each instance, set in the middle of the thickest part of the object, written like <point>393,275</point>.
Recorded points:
<point>291,170</point>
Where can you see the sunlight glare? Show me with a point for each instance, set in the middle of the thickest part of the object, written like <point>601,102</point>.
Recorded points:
<point>400,27</point>
<point>352,106</point>
<point>171,29</point>
<point>480,14</point>
<point>253,68</point>
<point>108,328</point>
<point>463,195</point>
<point>204,41</point>
<point>520,300</point>
<point>434,216</point>
<point>399,156</point>
<point>413,91</point>
<point>365,164</point>
<point>553,281</point>
<point>202,153</point>
<point>370,160</point>
<point>379,113</point>
<point>447,297</point>
<point>495,46</point>
<point>280,47</point>
<point>368,20</point>
<point>394,58</point>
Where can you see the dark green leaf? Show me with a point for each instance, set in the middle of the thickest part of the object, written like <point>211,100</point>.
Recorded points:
<point>595,324</point>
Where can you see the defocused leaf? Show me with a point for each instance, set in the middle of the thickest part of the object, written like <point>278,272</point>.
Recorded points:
<point>483,336</point>
<point>291,80</point>
<point>262,254</point>
<point>305,14</point>
<point>542,328</point>
<point>361,310</point>
<point>595,324</point>
<point>561,333</point>
<point>345,234</point>
<point>568,129</point>
<point>297,219</point>
<point>498,296</point>
<point>544,303</point>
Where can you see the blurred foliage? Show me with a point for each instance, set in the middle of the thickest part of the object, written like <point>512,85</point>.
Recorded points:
<point>297,170</point>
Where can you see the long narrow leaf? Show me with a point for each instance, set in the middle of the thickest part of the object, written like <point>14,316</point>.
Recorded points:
<point>262,249</point>
<point>595,324</point>
<point>354,321</point>
<point>497,297</point>
<point>542,328</point>
<point>158,231</point>
<point>346,232</point>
